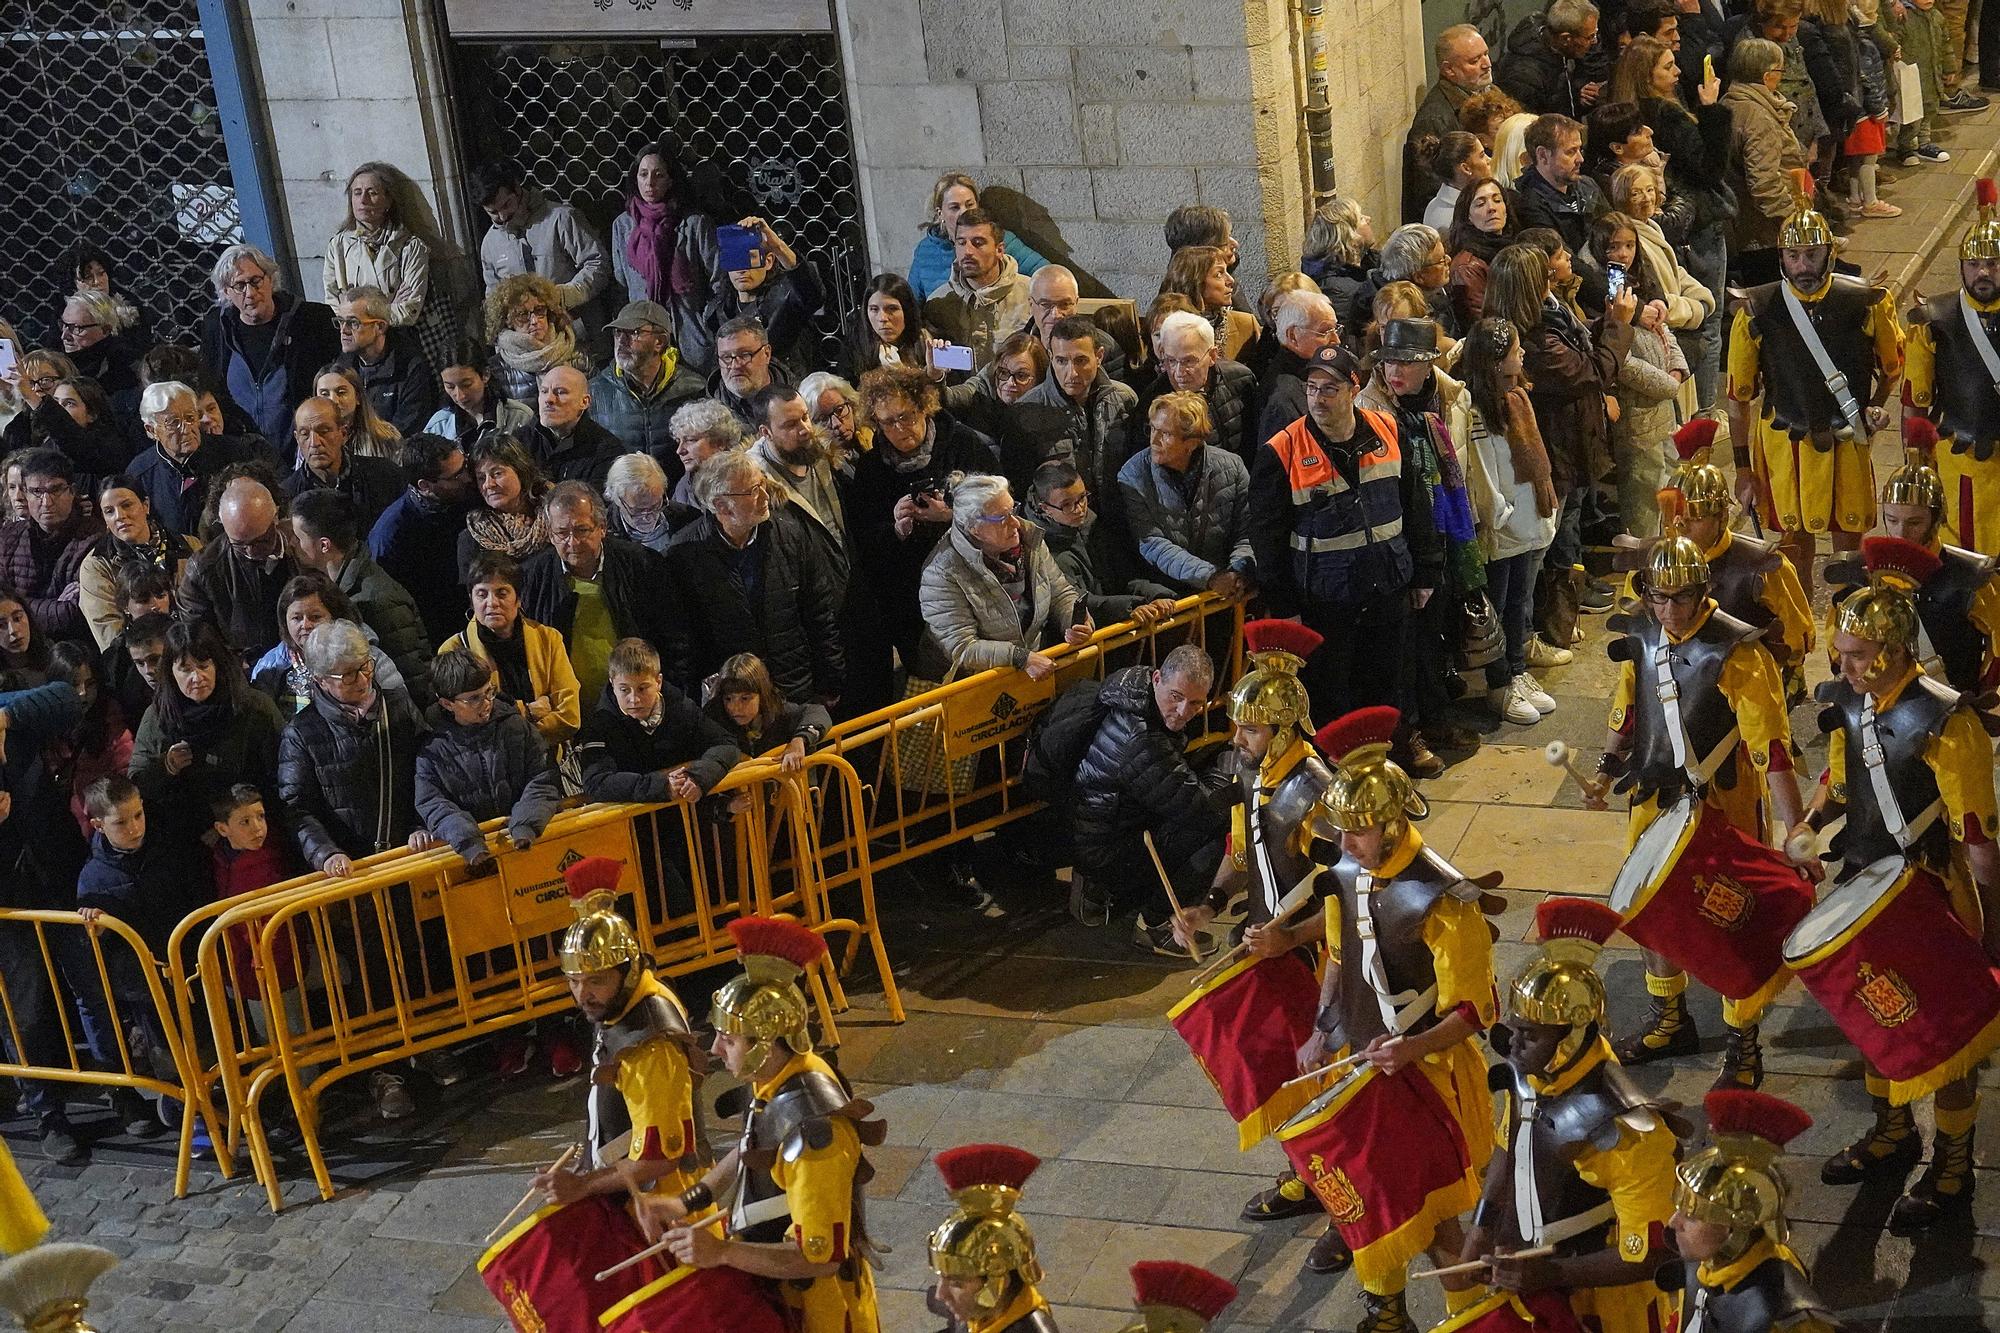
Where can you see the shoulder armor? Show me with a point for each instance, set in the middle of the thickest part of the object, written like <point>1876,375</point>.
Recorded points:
<point>654,1016</point>
<point>800,1113</point>
<point>1971,561</point>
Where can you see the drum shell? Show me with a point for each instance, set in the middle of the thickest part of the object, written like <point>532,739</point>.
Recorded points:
<point>1720,906</point>
<point>1510,1312</point>
<point>1907,983</point>
<point>543,1271</point>
<point>696,1300</point>
<point>1245,1028</point>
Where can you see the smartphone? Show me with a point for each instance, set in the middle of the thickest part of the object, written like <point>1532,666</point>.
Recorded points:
<point>951,356</point>
<point>1614,280</point>
<point>1707,68</point>
<point>10,360</point>
<point>739,247</point>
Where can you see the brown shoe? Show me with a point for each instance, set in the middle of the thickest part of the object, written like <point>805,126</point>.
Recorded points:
<point>1416,759</point>
<point>1329,1254</point>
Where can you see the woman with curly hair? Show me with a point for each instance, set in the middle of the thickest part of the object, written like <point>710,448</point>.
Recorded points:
<point>531,332</point>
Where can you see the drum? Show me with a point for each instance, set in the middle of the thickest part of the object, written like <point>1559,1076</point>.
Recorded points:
<point>1510,1312</point>
<point>1697,891</point>
<point>1245,1027</point>
<point>1381,1151</point>
<point>1901,976</point>
<point>543,1271</point>
<point>696,1300</point>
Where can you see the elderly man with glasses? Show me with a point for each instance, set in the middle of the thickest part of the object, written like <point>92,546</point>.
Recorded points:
<point>235,581</point>
<point>175,472</point>
<point>745,366</point>
<point>41,553</point>
<point>395,373</point>
<point>264,345</point>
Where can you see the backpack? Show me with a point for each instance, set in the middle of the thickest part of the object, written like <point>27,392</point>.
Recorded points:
<point>1058,740</point>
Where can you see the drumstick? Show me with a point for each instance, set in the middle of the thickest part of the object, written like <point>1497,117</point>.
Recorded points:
<point>1173,899</point>
<point>1287,909</point>
<point>529,1197</point>
<point>1539,1252</point>
<point>659,1246</point>
<point>1560,755</point>
<point>1341,1063</point>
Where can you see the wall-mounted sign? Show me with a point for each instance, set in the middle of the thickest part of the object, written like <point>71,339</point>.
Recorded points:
<point>558,20</point>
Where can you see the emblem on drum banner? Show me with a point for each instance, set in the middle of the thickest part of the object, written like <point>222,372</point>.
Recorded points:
<point>1723,902</point>
<point>1336,1191</point>
<point>523,1310</point>
<point>1885,995</point>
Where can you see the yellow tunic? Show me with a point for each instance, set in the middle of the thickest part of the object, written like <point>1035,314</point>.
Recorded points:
<point>819,1186</point>
<point>1755,691</point>
<point>1724,1277</point>
<point>1277,766</point>
<point>1971,488</point>
<point>1025,1303</point>
<point>1808,490</point>
<point>658,1089</point>
<point>1638,1174</point>
<point>21,1220</point>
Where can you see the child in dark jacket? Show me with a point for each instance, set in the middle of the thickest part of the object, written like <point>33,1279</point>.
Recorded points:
<point>645,740</point>
<point>745,702</point>
<point>481,763</point>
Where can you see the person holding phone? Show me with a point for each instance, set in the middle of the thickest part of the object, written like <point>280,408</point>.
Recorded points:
<point>769,282</point>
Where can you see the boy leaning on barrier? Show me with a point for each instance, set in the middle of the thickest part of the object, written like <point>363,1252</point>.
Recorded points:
<point>645,740</point>
<point>480,762</point>
<point>243,859</point>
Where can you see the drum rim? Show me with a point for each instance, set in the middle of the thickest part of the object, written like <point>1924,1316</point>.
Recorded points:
<point>672,1277</point>
<point>1840,900</point>
<point>1325,1103</point>
<point>1688,810</point>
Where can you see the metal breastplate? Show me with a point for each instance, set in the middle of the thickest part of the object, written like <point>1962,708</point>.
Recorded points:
<point>1035,1321</point>
<point>1736,581</point>
<point>1772,1291</point>
<point>1904,730</point>
<point>1796,398</point>
<point>796,1117</point>
<point>1395,912</point>
<point>1583,1116</point>
<point>1706,717</point>
<point>1274,824</point>
<point>654,1016</point>
<point>1962,393</point>
<point>1944,605</point>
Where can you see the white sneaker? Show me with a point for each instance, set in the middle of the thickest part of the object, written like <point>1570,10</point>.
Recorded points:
<point>1538,698</point>
<point>1542,654</point>
<point>1512,705</point>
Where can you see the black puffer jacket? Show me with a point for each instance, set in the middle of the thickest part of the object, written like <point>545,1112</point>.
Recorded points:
<point>469,774</point>
<point>622,761</point>
<point>636,592</point>
<point>349,784</point>
<point>1232,410</point>
<point>793,621</point>
<point>1533,74</point>
<point>1136,776</point>
<point>394,616</point>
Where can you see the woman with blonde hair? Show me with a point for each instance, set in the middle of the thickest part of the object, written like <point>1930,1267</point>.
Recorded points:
<point>1510,148</point>
<point>1339,250</point>
<point>388,239</point>
<point>368,436</point>
<point>1201,274</point>
<point>531,332</point>
<point>930,263</point>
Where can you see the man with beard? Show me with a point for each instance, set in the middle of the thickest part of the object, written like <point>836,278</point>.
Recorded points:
<point>791,456</point>
<point>1823,350</point>
<point>1464,67</point>
<point>986,298</point>
<point>1953,377</point>
<point>636,396</point>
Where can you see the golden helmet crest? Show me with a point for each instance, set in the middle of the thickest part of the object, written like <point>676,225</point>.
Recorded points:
<point>1982,238</point>
<point>1177,1298</point>
<point>766,1003</point>
<point>1735,1182</point>
<point>1560,986</point>
<point>1271,693</point>
<point>599,940</point>
<point>985,1238</point>
<point>1369,790</point>
<point>1803,226</point>
<point>1917,482</point>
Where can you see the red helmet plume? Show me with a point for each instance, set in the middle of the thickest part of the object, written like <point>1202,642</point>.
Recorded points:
<point>1283,636</point>
<point>775,937</point>
<point>1575,919</point>
<point>1920,432</point>
<point>977,1164</point>
<point>593,874</point>
<point>1893,555</point>
<point>1375,725</point>
<point>1181,1286</point>
<point>1740,1111</point>
<point>1695,436</point>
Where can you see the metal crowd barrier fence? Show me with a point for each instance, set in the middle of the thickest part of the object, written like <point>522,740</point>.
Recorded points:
<point>315,980</point>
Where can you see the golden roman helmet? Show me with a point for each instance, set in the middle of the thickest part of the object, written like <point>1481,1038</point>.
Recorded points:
<point>766,1003</point>
<point>599,940</point>
<point>1271,693</point>
<point>1803,226</point>
<point>1369,790</point>
<point>46,1287</point>
<point>1675,563</point>
<point>1560,986</point>
<point>1735,1181</point>
<point>1885,611</point>
<point>1176,1298</point>
<point>985,1238</point>
<point>1916,482</point>
<point>1704,489</point>
<point>1982,238</point>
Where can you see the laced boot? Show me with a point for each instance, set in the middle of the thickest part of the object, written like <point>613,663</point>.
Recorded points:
<point>1669,1031</point>
<point>1288,1198</point>
<point>1944,1187</point>
<point>1742,1061</point>
<point>1384,1314</point>
<point>1329,1254</point>
<point>1890,1145</point>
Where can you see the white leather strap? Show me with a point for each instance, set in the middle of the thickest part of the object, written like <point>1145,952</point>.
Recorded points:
<point>1980,342</point>
<point>1700,770</point>
<point>1904,831</point>
<point>1836,382</point>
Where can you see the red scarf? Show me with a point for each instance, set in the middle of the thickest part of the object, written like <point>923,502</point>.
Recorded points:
<point>652,238</point>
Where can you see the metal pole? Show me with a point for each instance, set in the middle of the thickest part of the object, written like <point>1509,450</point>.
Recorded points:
<point>1319,103</point>
<point>233,72</point>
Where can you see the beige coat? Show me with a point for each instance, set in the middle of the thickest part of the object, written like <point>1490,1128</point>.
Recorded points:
<point>1762,152</point>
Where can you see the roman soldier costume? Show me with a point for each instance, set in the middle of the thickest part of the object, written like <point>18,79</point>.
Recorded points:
<point>1953,377</point>
<point>1177,1298</point>
<point>1819,359</point>
<point>1587,1163</point>
<point>1756,1284</point>
<point>986,1240</point>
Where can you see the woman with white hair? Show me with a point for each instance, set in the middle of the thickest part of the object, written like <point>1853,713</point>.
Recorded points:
<point>265,345</point>
<point>701,430</point>
<point>835,407</point>
<point>94,337</point>
<point>389,240</point>
<point>636,488</point>
<point>991,594</point>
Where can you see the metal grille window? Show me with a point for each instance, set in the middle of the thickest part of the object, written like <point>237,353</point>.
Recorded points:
<point>113,140</point>
<point>770,115</point>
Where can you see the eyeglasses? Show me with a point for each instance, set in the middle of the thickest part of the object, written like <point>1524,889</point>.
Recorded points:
<point>168,422</point>
<point>1007,515</point>
<point>1183,362</point>
<point>843,412</point>
<point>53,489</point>
<point>901,421</point>
<point>1022,377</point>
<point>354,324</point>
<point>257,547</point>
<point>79,328</point>
<point>43,383</point>
<point>476,699</point>
<point>577,533</point>
<point>742,358</point>
<point>1326,388</point>
<point>527,315</point>
<point>358,674</point>
<point>245,286</point>
<point>754,493</point>
<point>1076,506</point>
<point>1685,597</point>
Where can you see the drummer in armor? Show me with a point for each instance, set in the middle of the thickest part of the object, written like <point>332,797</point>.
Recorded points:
<point>1709,717</point>
<point>1910,765</point>
<point>646,1059</point>
<point>1410,979</point>
<point>1729,1224</point>
<point>791,1189</point>
<point>1953,377</point>
<point>1588,1162</point>
<point>1823,349</point>
<point>983,1254</point>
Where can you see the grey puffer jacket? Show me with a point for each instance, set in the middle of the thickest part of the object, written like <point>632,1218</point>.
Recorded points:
<point>971,624</point>
<point>1190,541</point>
<point>466,775</point>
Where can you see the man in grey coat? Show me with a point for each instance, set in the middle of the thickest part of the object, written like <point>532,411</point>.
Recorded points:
<point>532,235</point>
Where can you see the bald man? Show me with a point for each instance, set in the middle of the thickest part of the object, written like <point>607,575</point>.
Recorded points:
<point>234,582</point>
<point>327,464</point>
<point>568,444</point>
<point>1052,295</point>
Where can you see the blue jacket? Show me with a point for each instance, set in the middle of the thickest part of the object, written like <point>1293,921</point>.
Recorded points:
<point>930,264</point>
<point>416,544</point>
<point>149,889</point>
<point>466,775</point>
<point>1190,542</point>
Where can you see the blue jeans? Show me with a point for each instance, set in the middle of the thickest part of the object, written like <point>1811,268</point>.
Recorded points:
<point>1510,583</point>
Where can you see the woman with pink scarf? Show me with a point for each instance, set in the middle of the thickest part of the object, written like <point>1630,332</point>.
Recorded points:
<point>663,250</point>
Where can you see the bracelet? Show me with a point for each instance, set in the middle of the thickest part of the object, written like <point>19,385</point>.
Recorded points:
<point>1740,457</point>
<point>696,1197</point>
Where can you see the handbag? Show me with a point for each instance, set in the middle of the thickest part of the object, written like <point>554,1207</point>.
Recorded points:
<point>1480,640</point>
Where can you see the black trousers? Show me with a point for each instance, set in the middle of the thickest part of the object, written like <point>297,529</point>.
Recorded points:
<point>1362,661</point>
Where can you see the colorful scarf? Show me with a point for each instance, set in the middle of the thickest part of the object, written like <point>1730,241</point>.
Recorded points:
<point>651,252</point>
<point>519,535</point>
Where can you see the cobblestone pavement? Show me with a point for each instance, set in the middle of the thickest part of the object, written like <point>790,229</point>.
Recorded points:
<point>1034,1032</point>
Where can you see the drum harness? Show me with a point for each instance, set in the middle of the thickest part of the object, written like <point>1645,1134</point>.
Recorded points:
<point>1534,1230</point>
<point>1253,819</point>
<point>1905,832</point>
<point>1400,1009</point>
<point>1669,691</point>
